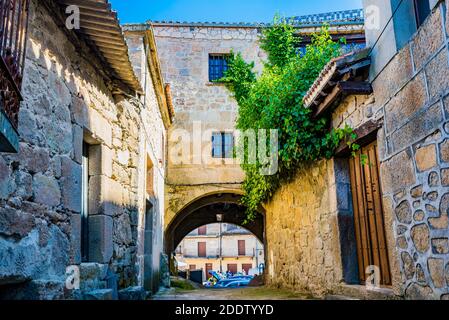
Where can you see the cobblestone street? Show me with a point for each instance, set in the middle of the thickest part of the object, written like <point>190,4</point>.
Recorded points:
<point>260,293</point>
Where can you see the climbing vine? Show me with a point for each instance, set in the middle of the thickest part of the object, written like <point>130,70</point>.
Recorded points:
<point>274,100</point>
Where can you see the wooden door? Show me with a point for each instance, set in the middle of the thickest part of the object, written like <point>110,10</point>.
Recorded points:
<point>241,248</point>
<point>208,268</point>
<point>202,252</point>
<point>232,267</point>
<point>247,267</point>
<point>368,214</point>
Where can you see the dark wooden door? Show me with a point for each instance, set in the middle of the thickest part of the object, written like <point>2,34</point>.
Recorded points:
<point>241,248</point>
<point>232,267</point>
<point>202,249</point>
<point>368,214</point>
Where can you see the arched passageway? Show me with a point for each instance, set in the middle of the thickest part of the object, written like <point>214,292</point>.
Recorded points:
<point>205,210</point>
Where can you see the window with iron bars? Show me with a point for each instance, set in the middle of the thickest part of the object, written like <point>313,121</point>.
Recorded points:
<point>13,34</point>
<point>218,65</point>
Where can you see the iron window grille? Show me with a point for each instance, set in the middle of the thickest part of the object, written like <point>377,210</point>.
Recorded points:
<point>218,65</point>
<point>14,16</point>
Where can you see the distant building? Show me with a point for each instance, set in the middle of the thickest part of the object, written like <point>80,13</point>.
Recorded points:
<point>221,247</point>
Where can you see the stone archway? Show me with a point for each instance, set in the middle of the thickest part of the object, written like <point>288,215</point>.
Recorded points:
<point>204,210</point>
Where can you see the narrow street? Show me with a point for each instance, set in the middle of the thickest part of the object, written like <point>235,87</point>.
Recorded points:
<point>259,293</point>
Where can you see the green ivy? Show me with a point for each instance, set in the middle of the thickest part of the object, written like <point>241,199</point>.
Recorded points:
<point>274,100</point>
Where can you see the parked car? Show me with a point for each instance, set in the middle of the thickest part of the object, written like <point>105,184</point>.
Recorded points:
<point>232,283</point>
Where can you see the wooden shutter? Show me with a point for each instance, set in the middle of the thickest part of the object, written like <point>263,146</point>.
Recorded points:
<point>228,145</point>
<point>368,213</point>
<point>217,145</point>
<point>202,249</point>
<point>202,231</point>
<point>242,248</point>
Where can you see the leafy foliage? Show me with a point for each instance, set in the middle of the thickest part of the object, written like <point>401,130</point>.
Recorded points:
<point>274,100</point>
<point>280,42</point>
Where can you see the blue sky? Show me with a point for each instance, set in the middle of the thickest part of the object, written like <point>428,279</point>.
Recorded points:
<point>223,10</point>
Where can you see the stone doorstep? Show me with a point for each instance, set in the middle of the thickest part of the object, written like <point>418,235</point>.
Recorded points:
<point>359,292</point>
<point>102,294</point>
<point>338,297</point>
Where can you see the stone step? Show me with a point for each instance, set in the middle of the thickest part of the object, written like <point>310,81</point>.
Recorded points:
<point>360,292</point>
<point>103,294</point>
<point>132,293</point>
<point>339,297</point>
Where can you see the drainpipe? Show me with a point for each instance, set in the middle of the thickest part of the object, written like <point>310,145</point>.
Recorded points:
<point>221,251</point>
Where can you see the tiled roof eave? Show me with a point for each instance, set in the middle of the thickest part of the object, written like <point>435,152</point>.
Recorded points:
<point>333,70</point>
<point>100,26</point>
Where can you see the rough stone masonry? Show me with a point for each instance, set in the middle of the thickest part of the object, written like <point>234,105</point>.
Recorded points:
<point>67,101</point>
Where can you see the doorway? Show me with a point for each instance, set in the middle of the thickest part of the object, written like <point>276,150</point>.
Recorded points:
<point>368,214</point>
<point>149,284</point>
<point>209,267</point>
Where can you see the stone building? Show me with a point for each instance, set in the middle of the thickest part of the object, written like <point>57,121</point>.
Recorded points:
<point>90,139</point>
<point>381,215</point>
<point>202,178</point>
<point>221,248</point>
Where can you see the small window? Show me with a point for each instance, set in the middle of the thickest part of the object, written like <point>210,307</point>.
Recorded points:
<point>218,65</point>
<point>202,231</point>
<point>85,205</point>
<point>150,177</point>
<point>222,145</point>
<point>422,10</point>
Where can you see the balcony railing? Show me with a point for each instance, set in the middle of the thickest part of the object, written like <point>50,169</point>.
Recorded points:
<point>13,35</point>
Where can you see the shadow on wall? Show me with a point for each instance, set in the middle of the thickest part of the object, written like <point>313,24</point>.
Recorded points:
<point>33,267</point>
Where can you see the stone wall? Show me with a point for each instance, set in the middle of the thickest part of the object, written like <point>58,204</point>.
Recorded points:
<point>303,251</point>
<point>413,92</point>
<point>410,102</point>
<point>184,54</point>
<point>67,100</point>
<point>152,151</point>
